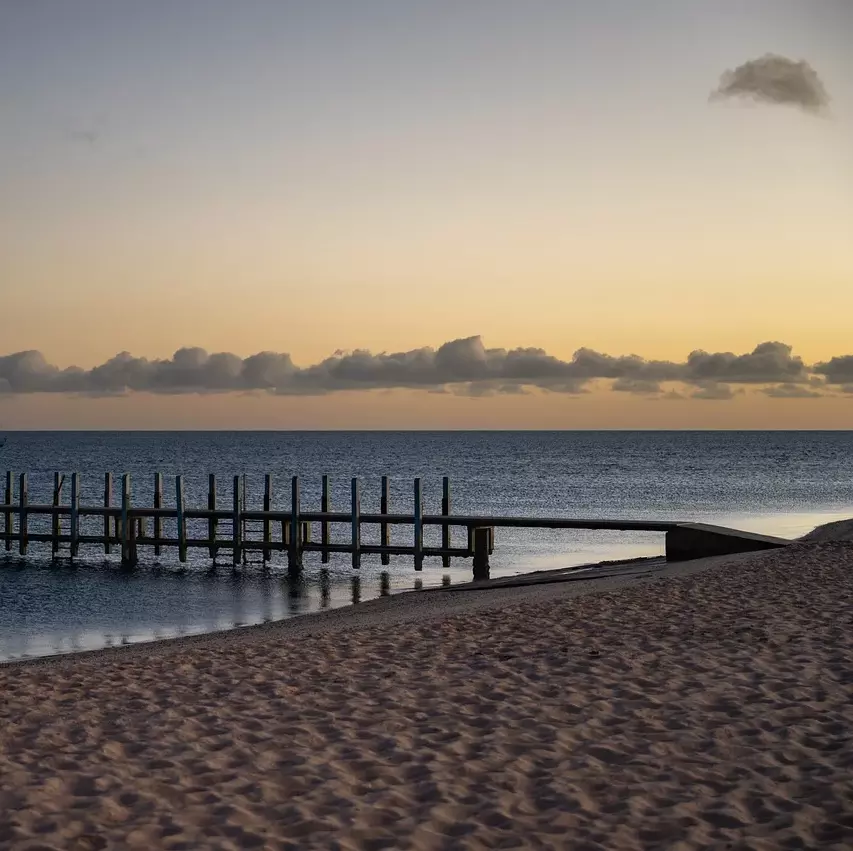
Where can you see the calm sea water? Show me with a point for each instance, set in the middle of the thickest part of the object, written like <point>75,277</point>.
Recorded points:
<point>780,483</point>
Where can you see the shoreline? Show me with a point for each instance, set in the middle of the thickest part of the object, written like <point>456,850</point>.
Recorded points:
<point>412,605</point>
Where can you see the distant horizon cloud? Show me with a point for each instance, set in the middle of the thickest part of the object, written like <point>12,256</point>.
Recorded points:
<point>463,367</point>
<point>774,79</point>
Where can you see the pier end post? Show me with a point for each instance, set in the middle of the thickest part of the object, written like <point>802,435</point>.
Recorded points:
<point>482,540</point>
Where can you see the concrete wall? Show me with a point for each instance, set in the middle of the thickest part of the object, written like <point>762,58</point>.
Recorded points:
<point>698,540</point>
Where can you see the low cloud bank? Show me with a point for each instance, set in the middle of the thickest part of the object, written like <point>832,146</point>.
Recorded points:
<point>463,366</point>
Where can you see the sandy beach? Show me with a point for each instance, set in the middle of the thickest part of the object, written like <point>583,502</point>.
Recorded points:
<point>701,706</point>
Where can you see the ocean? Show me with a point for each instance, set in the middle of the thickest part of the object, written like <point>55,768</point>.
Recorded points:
<point>775,482</point>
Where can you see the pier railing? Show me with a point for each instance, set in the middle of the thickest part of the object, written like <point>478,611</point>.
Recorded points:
<point>129,527</point>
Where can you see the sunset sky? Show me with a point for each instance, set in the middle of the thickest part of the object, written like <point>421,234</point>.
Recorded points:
<point>335,176</point>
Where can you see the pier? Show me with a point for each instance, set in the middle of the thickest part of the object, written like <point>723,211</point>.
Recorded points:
<point>243,533</point>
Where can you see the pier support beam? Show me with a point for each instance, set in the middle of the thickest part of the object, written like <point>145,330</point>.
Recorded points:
<point>482,537</point>
<point>8,528</point>
<point>158,503</point>
<point>294,548</point>
<point>356,524</point>
<point>108,498</point>
<point>75,514</point>
<point>23,499</point>
<point>418,544</point>
<point>325,506</point>
<point>55,527</point>
<point>212,522</point>
<point>384,528</point>
<point>236,525</point>
<point>445,510</point>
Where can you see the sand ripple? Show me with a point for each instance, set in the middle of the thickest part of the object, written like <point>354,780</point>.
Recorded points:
<point>710,711</point>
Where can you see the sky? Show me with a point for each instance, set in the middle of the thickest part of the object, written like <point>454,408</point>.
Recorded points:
<point>423,211</point>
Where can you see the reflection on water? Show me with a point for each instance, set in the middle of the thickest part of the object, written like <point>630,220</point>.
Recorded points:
<point>55,607</point>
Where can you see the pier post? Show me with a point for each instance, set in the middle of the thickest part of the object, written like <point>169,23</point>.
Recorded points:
<point>445,528</point>
<point>419,525</point>
<point>212,522</point>
<point>158,504</point>
<point>325,506</point>
<point>23,498</point>
<point>55,527</point>
<point>384,528</point>
<point>482,536</point>
<point>356,524</point>
<point>182,522</point>
<point>267,508</point>
<point>75,515</point>
<point>294,548</point>
<point>108,498</point>
<point>236,526</point>
<point>7,521</point>
<point>126,531</point>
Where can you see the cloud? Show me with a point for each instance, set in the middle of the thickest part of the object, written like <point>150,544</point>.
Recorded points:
<point>837,370</point>
<point>462,367</point>
<point>713,392</point>
<point>767,363</point>
<point>636,385</point>
<point>791,391</point>
<point>777,80</point>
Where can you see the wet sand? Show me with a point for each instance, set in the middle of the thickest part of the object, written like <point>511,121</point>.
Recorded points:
<point>707,705</point>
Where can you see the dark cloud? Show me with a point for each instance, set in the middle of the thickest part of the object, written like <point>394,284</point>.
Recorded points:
<point>462,367</point>
<point>837,370</point>
<point>777,80</point>
<point>767,363</point>
<point>791,391</point>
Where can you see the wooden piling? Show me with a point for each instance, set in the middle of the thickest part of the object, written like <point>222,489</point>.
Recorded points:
<point>158,504</point>
<point>8,528</point>
<point>236,526</point>
<point>419,525</point>
<point>74,531</point>
<point>356,524</point>
<point>212,522</point>
<point>267,553</point>
<point>384,528</point>
<point>482,545</point>
<point>182,521</point>
<point>23,498</point>
<point>126,533</point>
<point>294,549</point>
<point>55,527</point>
<point>108,498</point>
<point>445,510</point>
<point>325,506</point>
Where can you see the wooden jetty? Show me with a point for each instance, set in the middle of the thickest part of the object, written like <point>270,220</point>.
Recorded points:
<point>242,532</point>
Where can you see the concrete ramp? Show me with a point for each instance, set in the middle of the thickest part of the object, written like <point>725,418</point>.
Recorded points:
<point>698,540</point>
